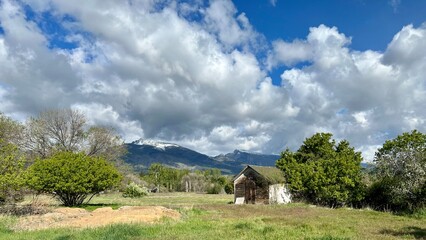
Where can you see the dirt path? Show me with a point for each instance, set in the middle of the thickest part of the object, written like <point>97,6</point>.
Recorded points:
<point>80,218</point>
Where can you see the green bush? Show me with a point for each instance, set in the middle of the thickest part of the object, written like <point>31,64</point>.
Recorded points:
<point>72,177</point>
<point>134,191</point>
<point>214,189</point>
<point>229,188</point>
<point>324,172</point>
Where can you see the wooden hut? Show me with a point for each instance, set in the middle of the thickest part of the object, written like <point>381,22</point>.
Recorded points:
<point>258,184</point>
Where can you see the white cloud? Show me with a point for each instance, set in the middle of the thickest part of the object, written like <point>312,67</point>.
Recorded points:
<point>104,115</point>
<point>379,92</point>
<point>151,71</point>
<point>232,30</point>
<point>289,53</point>
<point>362,118</point>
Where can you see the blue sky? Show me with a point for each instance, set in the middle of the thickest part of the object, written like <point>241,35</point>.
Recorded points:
<point>221,75</point>
<point>371,24</point>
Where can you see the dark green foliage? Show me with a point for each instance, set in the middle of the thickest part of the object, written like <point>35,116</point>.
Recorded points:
<point>323,172</point>
<point>379,195</point>
<point>72,177</point>
<point>229,186</point>
<point>401,173</point>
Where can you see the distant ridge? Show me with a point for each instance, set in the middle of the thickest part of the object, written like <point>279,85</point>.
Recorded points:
<point>144,152</point>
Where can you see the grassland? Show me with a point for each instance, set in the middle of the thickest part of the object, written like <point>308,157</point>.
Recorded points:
<point>212,217</point>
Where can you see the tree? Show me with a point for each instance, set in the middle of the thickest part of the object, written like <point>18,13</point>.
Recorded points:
<point>12,164</point>
<point>12,161</point>
<point>216,182</point>
<point>102,141</point>
<point>10,131</point>
<point>166,178</point>
<point>401,172</point>
<point>56,130</point>
<point>72,177</point>
<point>66,130</point>
<point>194,182</point>
<point>323,172</point>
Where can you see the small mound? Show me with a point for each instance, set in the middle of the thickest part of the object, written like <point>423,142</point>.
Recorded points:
<point>81,218</point>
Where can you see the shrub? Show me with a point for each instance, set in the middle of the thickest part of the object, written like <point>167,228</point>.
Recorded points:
<point>134,191</point>
<point>324,172</point>
<point>214,189</point>
<point>229,187</point>
<point>72,177</point>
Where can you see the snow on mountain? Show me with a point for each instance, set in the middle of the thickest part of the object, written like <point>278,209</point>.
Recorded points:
<point>156,144</point>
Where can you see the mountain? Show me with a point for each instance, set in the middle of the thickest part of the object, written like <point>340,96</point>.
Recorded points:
<point>142,153</point>
<point>249,158</point>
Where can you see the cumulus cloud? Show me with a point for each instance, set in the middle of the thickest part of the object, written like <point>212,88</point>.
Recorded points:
<point>365,97</point>
<point>146,70</point>
<point>189,72</point>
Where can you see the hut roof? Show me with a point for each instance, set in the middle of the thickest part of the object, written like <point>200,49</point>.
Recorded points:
<point>272,174</point>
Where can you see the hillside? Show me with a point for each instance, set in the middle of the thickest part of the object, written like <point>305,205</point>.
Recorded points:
<point>142,153</point>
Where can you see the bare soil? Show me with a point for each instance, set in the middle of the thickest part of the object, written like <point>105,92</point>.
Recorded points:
<point>81,218</point>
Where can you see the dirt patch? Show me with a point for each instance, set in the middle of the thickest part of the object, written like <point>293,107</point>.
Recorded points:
<point>81,218</point>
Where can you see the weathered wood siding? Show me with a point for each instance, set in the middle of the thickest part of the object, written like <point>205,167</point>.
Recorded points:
<point>252,187</point>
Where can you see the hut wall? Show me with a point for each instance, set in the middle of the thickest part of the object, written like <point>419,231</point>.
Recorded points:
<point>248,182</point>
<point>279,194</point>
<point>239,189</point>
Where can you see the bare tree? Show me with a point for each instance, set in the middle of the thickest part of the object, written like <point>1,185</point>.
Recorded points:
<point>66,130</point>
<point>102,141</point>
<point>55,130</point>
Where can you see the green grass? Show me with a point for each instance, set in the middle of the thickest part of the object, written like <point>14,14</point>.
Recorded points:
<point>172,200</point>
<point>211,217</point>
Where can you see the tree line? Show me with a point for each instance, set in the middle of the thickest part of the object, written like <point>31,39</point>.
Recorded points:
<point>163,178</point>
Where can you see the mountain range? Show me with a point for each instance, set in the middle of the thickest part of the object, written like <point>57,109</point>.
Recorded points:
<point>142,153</point>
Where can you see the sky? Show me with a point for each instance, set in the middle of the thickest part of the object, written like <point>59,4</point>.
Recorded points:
<point>220,75</point>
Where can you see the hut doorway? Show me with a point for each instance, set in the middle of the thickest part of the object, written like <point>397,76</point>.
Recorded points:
<point>250,191</point>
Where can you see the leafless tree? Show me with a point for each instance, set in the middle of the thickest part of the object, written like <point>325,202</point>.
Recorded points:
<point>103,141</point>
<point>55,130</point>
<point>66,130</point>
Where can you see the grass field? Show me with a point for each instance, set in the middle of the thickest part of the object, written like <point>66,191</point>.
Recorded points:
<point>212,217</point>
